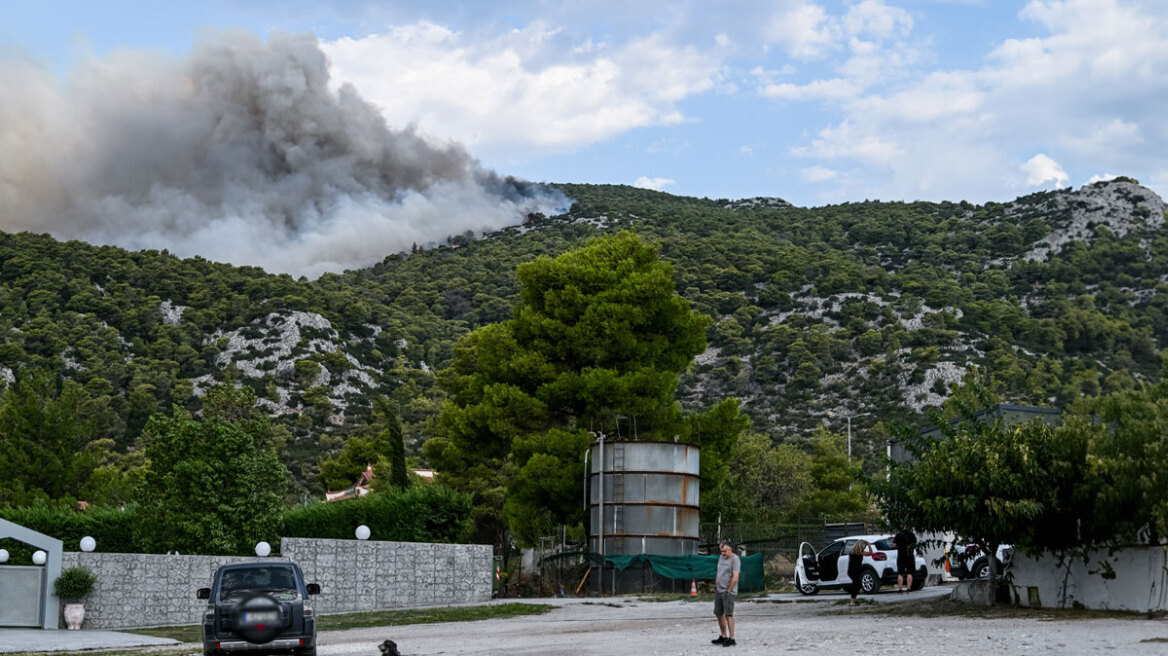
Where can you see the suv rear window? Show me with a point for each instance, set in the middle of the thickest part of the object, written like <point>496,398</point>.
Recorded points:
<point>276,581</point>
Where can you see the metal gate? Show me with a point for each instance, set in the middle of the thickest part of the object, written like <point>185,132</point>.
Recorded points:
<point>26,599</point>
<point>21,590</point>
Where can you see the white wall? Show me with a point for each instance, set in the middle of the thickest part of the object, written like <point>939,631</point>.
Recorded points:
<point>1140,581</point>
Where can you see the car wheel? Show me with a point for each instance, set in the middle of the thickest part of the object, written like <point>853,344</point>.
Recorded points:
<point>311,651</point>
<point>981,569</point>
<point>869,582</point>
<point>919,578</point>
<point>805,587</point>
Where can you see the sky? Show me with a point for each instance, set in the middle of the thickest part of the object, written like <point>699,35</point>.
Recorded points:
<point>815,102</point>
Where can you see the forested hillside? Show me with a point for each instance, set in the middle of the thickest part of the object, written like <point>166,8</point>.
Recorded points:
<point>863,310</point>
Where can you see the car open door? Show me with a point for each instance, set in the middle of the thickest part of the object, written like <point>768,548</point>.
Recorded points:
<point>829,569</point>
<point>810,563</point>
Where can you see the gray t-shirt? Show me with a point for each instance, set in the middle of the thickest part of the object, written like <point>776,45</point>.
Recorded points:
<point>727,567</point>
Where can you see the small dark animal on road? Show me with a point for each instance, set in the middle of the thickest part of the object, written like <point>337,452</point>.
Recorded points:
<point>389,648</point>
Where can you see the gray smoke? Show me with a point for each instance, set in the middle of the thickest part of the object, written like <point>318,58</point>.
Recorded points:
<point>240,153</point>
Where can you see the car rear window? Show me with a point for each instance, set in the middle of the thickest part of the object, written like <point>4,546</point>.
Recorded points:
<point>275,580</point>
<point>884,544</point>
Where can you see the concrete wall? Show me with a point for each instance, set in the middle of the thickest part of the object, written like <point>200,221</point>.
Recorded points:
<point>139,590</point>
<point>1140,581</point>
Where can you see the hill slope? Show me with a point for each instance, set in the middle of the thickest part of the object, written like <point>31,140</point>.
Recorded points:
<point>866,310</point>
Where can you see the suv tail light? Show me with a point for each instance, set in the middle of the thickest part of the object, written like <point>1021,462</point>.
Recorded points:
<point>880,555</point>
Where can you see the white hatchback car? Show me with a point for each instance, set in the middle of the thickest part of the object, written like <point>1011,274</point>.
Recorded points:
<point>828,568</point>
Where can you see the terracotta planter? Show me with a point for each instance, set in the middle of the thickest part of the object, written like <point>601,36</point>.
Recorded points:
<point>74,614</point>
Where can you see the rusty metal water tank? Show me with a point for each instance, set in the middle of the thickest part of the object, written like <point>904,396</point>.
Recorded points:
<point>650,498</point>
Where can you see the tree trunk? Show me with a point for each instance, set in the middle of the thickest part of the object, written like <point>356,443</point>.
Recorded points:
<point>991,598</point>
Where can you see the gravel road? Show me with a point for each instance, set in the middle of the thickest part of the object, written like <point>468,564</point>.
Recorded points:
<point>765,626</point>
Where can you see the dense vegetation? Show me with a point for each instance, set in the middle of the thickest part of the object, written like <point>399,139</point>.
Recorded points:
<point>863,310</point>
<point>1095,480</point>
<point>595,346</point>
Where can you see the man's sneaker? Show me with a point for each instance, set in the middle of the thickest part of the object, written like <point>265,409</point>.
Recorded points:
<point>729,642</point>
<point>720,640</point>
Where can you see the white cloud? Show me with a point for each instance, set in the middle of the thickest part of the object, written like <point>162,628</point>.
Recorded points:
<point>1087,91</point>
<point>835,89</point>
<point>656,184</point>
<point>1102,178</point>
<point>817,173</point>
<point>802,29</point>
<point>874,18</point>
<point>848,141</point>
<point>874,35</point>
<point>530,88</point>
<point>1041,169</point>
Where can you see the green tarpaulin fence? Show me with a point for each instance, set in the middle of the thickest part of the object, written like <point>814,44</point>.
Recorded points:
<point>693,567</point>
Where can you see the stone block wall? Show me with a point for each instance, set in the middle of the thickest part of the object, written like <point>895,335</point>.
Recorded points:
<point>140,590</point>
<point>137,590</point>
<point>358,575</point>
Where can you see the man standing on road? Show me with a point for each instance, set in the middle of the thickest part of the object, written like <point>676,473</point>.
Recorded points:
<point>725,590</point>
<point>905,543</point>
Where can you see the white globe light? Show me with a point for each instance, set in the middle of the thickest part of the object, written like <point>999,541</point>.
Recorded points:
<point>88,543</point>
<point>362,532</point>
<point>39,557</point>
<point>263,549</point>
<point>3,555</point>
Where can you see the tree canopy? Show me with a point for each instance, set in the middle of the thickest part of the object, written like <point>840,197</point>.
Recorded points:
<point>212,485</point>
<point>596,344</point>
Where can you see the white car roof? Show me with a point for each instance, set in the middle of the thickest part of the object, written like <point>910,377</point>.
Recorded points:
<point>869,538</point>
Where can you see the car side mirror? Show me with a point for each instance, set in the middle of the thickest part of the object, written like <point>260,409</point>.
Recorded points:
<point>313,588</point>
<point>203,593</point>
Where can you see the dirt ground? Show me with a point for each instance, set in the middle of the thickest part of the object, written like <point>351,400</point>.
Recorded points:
<point>776,624</point>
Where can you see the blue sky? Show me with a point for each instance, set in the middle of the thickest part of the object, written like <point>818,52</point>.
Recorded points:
<point>754,115</point>
<point>813,101</point>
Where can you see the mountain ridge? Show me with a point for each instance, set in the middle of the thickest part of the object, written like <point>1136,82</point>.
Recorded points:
<point>864,310</point>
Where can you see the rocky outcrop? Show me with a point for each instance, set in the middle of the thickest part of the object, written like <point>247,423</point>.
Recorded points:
<point>1119,205</point>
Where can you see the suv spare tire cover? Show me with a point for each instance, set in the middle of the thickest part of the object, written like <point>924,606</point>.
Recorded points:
<point>258,631</point>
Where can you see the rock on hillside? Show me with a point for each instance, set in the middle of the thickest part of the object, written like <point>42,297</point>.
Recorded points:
<point>1120,205</point>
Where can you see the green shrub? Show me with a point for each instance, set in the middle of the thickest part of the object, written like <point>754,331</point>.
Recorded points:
<point>74,583</point>
<point>110,527</point>
<point>420,513</point>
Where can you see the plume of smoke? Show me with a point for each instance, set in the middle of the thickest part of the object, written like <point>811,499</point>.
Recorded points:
<point>239,153</point>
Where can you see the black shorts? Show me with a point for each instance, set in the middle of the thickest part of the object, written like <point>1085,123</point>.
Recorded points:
<point>905,564</point>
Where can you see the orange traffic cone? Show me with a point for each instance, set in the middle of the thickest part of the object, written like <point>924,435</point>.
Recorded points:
<point>693,588</point>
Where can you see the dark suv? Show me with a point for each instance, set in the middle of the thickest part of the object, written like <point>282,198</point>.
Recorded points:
<point>259,606</point>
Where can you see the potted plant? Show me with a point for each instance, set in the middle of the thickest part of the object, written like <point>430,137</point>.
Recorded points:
<point>73,585</point>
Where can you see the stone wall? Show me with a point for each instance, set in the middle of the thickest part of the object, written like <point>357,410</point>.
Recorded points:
<point>140,590</point>
<point>1131,578</point>
<point>357,575</point>
<point>136,590</point>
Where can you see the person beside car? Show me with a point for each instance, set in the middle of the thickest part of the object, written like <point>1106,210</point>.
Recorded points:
<point>725,590</point>
<point>856,566</point>
<point>905,542</point>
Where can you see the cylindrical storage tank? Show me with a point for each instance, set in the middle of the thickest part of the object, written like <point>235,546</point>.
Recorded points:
<point>650,498</point>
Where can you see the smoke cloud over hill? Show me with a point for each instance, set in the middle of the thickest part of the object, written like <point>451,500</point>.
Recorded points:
<point>239,153</point>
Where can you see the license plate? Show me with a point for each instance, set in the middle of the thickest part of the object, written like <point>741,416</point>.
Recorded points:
<point>260,617</point>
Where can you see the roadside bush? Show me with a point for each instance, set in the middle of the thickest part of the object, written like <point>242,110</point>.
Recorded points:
<point>420,513</point>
